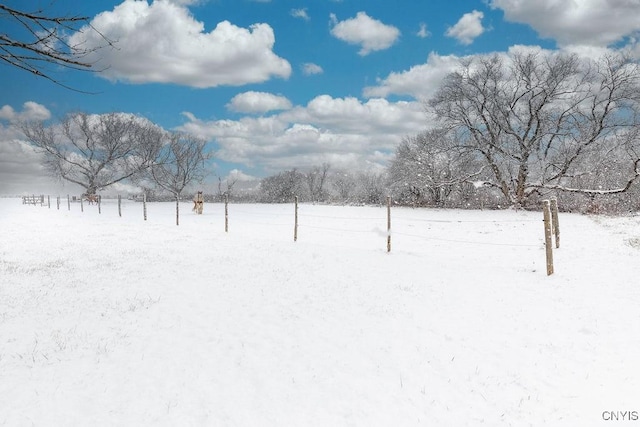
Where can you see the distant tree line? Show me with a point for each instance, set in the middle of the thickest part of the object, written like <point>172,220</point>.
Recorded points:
<point>322,185</point>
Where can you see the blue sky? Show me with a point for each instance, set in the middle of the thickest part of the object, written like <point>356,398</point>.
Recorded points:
<point>277,84</point>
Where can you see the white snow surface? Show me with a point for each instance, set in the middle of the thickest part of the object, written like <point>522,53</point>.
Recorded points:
<point>116,321</point>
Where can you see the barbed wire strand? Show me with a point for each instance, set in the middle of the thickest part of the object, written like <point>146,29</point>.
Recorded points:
<point>427,238</point>
<point>518,245</point>
<point>342,230</point>
<point>400,218</point>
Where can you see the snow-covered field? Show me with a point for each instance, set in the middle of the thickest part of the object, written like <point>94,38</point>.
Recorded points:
<point>117,321</point>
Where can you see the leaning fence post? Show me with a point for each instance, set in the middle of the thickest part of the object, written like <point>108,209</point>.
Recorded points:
<point>388,223</point>
<point>295,226</point>
<point>546,210</point>
<point>555,221</point>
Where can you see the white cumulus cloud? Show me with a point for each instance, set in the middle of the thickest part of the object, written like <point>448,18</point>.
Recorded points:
<point>258,102</point>
<point>369,33</point>
<point>346,132</point>
<point>31,111</point>
<point>467,28</point>
<point>162,42</point>
<point>577,22</point>
<point>420,81</point>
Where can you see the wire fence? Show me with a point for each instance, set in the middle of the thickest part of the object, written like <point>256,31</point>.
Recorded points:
<point>368,225</point>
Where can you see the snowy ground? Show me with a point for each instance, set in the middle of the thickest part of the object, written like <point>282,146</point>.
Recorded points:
<point>108,320</point>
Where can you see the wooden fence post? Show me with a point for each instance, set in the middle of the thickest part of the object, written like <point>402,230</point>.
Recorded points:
<point>555,221</point>
<point>58,202</point>
<point>68,202</point>
<point>144,206</point>
<point>49,201</point>
<point>388,223</point>
<point>177,210</point>
<point>99,204</point>
<point>295,226</point>
<point>81,204</point>
<point>546,209</point>
<point>119,206</point>
<point>226,213</point>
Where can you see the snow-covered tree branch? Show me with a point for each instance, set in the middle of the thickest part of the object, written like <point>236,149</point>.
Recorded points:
<point>537,119</point>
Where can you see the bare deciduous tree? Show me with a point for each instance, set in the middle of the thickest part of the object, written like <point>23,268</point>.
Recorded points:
<point>283,187</point>
<point>534,119</point>
<point>429,167</point>
<point>345,184</point>
<point>96,151</point>
<point>181,162</point>
<point>37,42</point>
<point>371,188</point>
<point>316,179</point>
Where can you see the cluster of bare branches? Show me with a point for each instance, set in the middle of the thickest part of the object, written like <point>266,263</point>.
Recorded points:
<point>540,122</point>
<point>37,42</point>
<point>429,167</point>
<point>96,151</point>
